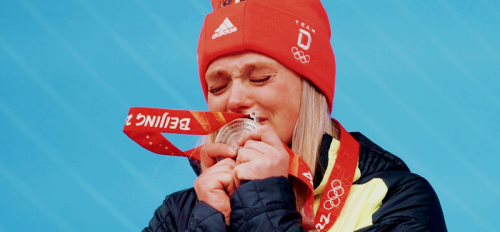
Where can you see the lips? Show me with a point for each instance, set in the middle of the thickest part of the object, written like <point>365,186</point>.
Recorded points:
<point>262,121</point>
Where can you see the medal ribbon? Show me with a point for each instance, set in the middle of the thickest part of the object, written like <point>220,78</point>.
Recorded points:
<point>339,183</point>
<point>146,125</point>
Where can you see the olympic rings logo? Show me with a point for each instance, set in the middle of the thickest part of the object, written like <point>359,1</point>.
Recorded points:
<point>299,55</point>
<point>334,195</point>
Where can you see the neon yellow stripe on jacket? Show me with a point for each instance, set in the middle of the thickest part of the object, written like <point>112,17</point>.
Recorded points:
<point>363,200</point>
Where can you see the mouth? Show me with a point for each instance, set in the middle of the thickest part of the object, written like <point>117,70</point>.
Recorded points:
<point>257,117</point>
<point>262,121</point>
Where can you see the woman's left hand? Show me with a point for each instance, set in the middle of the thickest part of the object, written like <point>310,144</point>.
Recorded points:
<point>261,155</point>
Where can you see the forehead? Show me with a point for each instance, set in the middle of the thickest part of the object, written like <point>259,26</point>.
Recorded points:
<point>240,61</point>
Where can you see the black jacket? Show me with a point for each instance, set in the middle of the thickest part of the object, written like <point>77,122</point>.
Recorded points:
<point>409,203</point>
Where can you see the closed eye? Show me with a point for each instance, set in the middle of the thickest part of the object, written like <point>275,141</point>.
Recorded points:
<point>262,80</point>
<point>216,90</point>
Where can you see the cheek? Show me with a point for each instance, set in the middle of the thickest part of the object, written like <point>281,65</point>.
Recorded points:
<point>216,104</point>
<point>285,99</point>
<point>290,103</point>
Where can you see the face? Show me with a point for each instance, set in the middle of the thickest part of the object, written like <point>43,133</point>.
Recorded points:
<point>251,82</point>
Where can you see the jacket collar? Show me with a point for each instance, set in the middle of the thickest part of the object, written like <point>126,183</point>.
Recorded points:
<point>372,158</point>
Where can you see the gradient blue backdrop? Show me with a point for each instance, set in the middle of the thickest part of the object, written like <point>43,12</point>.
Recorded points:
<point>418,77</point>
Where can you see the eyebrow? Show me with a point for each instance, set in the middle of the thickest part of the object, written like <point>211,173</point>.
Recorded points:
<point>247,69</point>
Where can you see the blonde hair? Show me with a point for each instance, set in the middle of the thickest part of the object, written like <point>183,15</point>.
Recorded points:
<point>313,121</point>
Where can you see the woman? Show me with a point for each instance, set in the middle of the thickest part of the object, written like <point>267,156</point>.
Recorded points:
<point>273,58</point>
<point>247,82</point>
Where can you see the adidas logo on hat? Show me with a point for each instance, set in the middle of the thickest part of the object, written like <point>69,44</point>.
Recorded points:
<point>225,28</point>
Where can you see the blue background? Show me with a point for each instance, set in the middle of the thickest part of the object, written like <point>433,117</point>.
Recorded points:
<point>418,77</point>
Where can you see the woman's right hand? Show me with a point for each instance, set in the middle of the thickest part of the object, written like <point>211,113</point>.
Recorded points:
<point>215,184</point>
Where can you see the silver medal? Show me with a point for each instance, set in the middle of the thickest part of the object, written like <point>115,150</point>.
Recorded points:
<point>234,130</point>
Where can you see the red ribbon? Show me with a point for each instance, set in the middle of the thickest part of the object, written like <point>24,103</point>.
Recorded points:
<point>339,183</point>
<point>146,125</point>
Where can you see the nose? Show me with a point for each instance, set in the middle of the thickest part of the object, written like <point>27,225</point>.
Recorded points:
<point>240,98</point>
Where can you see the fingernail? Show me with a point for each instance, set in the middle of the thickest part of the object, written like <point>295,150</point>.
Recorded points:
<point>231,151</point>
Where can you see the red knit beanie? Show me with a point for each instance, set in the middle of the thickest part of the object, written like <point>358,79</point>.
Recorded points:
<point>294,32</point>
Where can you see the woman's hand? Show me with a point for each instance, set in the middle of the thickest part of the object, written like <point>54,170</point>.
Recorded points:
<point>261,155</point>
<point>216,184</point>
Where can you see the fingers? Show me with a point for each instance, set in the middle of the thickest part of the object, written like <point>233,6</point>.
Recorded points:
<point>210,152</point>
<point>261,156</point>
<point>223,172</point>
<point>218,177</point>
<point>244,171</point>
<point>254,150</point>
<point>216,184</point>
<point>224,166</point>
<point>262,140</point>
<point>231,185</point>
<point>265,134</point>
